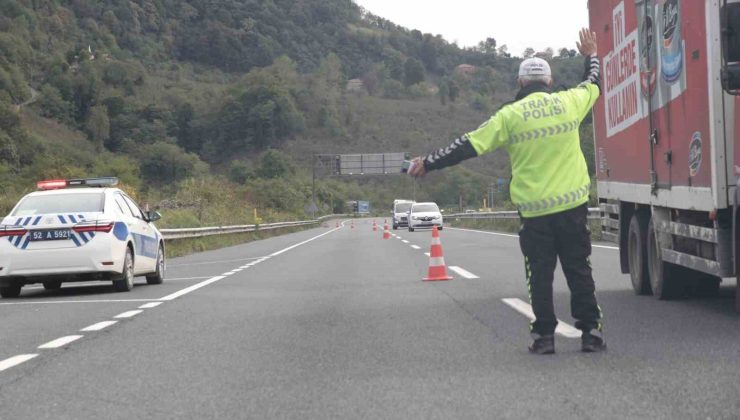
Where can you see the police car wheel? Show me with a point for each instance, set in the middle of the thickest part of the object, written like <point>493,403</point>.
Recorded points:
<point>411,229</point>
<point>158,276</point>
<point>10,291</point>
<point>439,227</point>
<point>126,282</point>
<point>52,285</point>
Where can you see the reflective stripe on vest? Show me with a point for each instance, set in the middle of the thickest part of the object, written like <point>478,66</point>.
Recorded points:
<point>567,198</point>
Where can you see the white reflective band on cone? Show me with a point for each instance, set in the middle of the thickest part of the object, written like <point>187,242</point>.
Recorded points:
<point>436,261</point>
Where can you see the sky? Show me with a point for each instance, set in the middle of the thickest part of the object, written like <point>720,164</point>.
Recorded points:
<point>517,23</point>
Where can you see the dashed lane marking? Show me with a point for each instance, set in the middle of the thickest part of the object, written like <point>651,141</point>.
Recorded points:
<point>405,241</point>
<point>129,314</point>
<point>526,309</point>
<point>15,361</point>
<point>100,325</point>
<point>463,272</point>
<point>150,305</point>
<point>517,236</point>
<point>427,254</point>
<point>415,246</point>
<point>60,342</point>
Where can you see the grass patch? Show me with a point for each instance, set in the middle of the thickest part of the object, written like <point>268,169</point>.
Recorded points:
<point>187,246</point>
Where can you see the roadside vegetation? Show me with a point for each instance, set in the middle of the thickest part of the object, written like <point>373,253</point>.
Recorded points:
<point>209,111</point>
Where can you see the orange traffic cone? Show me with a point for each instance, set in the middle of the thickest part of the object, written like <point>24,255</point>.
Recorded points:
<point>386,231</point>
<point>437,267</point>
<point>375,226</point>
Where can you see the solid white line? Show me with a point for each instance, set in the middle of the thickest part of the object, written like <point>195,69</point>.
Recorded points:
<point>301,243</point>
<point>236,270</point>
<point>517,236</point>
<point>150,305</point>
<point>45,302</point>
<point>59,342</point>
<point>128,314</point>
<point>217,278</point>
<point>415,246</point>
<point>463,272</point>
<point>213,262</point>
<point>525,309</point>
<point>15,360</point>
<point>228,273</point>
<point>405,241</point>
<point>100,325</point>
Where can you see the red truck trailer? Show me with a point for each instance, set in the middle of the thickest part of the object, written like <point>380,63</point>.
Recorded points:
<point>666,148</point>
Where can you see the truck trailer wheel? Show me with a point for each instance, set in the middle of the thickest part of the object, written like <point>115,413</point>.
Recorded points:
<point>637,253</point>
<point>665,278</point>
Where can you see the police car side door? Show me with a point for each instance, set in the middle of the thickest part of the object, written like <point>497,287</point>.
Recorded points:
<point>145,239</point>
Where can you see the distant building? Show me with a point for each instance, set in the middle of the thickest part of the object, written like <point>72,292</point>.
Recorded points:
<point>465,69</point>
<point>355,85</point>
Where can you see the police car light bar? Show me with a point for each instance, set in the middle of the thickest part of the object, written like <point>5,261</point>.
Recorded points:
<point>52,184</point>
<point>108,181</point>
<point>56,184</point>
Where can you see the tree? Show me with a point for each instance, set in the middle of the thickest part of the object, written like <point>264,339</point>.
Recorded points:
<point>488,46</point>
<point>414,72</point>
<point>454,90</point>
<point>98,125</point>
<point>275,164</point>
<point>444,91</point>
<point>503,51</point>
<point>163,163</point>
<point>563,53</point>
<point>528,52</point>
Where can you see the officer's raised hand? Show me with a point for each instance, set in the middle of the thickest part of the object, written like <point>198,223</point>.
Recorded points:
<point>417,168</point>
<point>587,45</point>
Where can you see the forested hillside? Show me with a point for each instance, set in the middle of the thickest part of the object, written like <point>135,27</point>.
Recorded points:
<point>198,105</point>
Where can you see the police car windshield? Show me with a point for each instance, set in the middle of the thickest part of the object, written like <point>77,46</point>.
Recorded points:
<point>60,203</point>
<point>423,208</point>
<point>403,207</point>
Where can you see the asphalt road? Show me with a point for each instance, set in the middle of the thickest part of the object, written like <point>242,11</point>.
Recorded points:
<point>336,323</point>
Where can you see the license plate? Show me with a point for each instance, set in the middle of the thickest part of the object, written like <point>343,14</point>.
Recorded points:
<point>49,235</point>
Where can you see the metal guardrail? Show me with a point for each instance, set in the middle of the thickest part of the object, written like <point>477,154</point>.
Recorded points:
<point>594,213</point>
<point>183,233</point>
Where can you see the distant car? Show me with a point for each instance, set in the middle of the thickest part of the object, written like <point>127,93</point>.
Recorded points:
<point>425,215</point>
<point>401,213</point>
<point>79,230</point>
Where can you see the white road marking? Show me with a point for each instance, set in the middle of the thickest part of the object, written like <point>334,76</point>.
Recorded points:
<point>129,314</point>
<point>415,246</point>
<point>192,288</point>
<point>100,325</point>
<point>526,309</point>
<point>274,254</point>
<point>427,254</point>
<point>236,270</point>
<point>228,273</point>
<point>47,302</point>
<point>213,262</point>
<point>463,272</point>
<point>188,278</point>
<point>150,305</point>
<point>59,342</point>
<point>517,236</point>
<point>15,361</point>
<point>405,241</point>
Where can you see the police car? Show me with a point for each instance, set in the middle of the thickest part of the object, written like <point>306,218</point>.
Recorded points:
<point>79,230</point>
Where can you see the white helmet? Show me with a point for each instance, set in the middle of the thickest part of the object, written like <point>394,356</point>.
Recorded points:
<point>534,68</point>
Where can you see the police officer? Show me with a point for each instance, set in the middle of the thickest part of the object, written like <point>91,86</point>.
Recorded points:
<point>550,187</point>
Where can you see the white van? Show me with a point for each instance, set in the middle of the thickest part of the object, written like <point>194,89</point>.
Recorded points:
<point>401,213</point>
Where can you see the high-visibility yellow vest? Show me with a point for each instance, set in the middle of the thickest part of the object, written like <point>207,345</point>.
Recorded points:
<point>540,133</point>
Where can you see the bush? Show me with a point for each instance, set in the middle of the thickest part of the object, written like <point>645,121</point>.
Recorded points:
<point>54,106</point>
<point>164,163</point>
<point>239,172</point>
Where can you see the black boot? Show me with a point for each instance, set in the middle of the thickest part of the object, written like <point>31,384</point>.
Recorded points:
<point>592,342</point>
<point>542,344</point>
